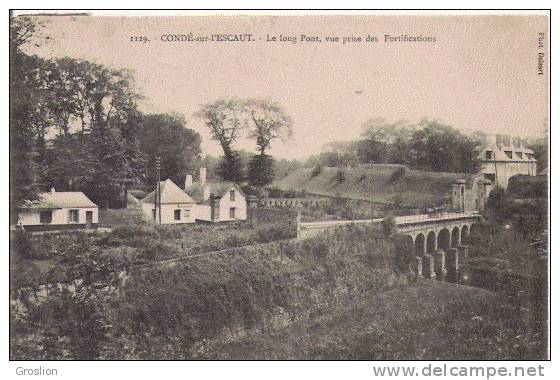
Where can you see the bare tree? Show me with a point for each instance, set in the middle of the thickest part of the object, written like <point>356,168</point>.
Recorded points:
<point>269,121</point>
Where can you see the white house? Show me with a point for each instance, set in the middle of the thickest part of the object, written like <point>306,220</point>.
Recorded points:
<point>502,157</point>
<point>168,204</point>
<point>58,210</point>
<point>216,201</point>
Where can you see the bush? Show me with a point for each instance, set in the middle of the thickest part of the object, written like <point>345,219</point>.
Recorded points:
<point>22,245</point>
<point>388,226</point>
<point>398,174</point>
<point>339,176</point>
<point>133,231</point>
<point>525,187</point>
<point>318,169</point>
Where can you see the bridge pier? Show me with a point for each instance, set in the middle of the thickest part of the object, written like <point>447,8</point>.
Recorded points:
<point>439,264</point>
<point>417,262</point>
<point>428,266</point>
<point>453,260</point>
<point>463,254</point>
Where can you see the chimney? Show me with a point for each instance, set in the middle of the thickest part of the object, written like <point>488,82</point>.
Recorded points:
<point>53,190</point>
<point>206,192</point>
<point>188,181</point>
<point>202,176</point>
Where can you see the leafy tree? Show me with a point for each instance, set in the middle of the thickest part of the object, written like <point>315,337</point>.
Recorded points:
<point>166,135</point>
<point>25,93</point>
<point>261,170</point>
<point>441,148</point>
<point>224,118</point>
<point>539,146</point>
<point>268,121</point>
<point>231,168</point>
<point>386,142</point>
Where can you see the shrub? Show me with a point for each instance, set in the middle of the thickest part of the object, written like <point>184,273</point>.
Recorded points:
<point>339,176</point>
<point>22,245</point>
<point>133,231</point>
<point>388,226</point>
<point>398,174</point>
<point>318,169</point>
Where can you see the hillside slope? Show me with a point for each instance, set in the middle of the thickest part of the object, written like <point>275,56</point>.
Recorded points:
<point>388,184</point>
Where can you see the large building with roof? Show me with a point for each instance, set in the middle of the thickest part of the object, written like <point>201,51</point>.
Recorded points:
<point>502,157</point>
<point>58,210</point>
<point>168,204</point>
<point>216,201</point>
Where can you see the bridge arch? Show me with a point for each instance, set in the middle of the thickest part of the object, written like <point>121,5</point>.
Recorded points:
<point>455,237</point>
<point>431,243</point>
<point>420,244</point>
<point>444,239</point>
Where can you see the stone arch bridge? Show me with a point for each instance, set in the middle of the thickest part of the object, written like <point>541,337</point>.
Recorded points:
<point>439,241</point>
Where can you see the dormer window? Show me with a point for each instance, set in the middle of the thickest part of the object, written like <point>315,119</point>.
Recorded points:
<point>488,154</point>
<point>508,153</point>
<point>519,155</point>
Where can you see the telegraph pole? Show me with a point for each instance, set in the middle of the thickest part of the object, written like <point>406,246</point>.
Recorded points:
<point>372,205</point>
<point>158,189</point>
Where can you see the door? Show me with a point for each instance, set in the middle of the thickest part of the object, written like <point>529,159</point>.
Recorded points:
<point>89,219</point>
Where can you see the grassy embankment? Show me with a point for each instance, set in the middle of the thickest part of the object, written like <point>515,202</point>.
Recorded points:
<point>389,184</point>
<point>66,256</point>
<point>334,296</point>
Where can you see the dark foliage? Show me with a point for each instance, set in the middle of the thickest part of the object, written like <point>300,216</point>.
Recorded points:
<point>260,171</point>
<point>230,168</point>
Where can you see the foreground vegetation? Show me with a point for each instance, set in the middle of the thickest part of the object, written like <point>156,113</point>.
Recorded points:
<point>66,256</point>
<point>344,295</point>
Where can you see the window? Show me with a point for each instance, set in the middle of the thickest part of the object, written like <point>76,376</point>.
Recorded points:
<point>232,195</point>
<point>73,216</point>
<point>519,155</point>
<point>177,214</point>
<point>46,217</point>
<point>488,154</point>
<point>490,176</point>
<point>232,213</point>
<point>154,214</point>
<point>508,153</point>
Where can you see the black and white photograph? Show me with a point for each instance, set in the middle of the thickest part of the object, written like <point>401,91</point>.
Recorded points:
<point>368,186</point>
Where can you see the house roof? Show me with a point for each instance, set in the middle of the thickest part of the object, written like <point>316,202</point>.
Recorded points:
<point>499,153</point>
<point>215,188</point>
<point>170,193</point>
<point>59,199</point>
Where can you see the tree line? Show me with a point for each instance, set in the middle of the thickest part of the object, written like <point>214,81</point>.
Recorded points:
<point>427,145</point>
<point>75,125</point>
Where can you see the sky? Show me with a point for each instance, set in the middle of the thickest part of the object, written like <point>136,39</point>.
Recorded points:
<point>479,74</point>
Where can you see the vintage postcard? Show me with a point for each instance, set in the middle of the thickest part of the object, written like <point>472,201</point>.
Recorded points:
<point>309,186</point>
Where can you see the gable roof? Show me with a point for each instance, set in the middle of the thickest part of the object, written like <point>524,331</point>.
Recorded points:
<point>170,193</point>
<point>59,199</point>
<point>216,188</point>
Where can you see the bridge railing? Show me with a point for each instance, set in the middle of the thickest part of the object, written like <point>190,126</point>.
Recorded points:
<point>431,217</point>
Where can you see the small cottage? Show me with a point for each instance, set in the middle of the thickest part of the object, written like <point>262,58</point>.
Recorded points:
<point>216,201</point>
<point>168,204</point>
<point>58,210</point>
